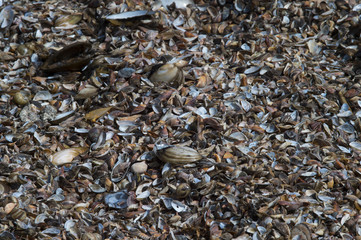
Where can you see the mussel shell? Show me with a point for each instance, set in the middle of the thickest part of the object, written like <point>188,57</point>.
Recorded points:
<point>70,58</point>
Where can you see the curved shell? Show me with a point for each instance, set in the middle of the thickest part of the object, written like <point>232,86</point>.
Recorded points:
<point>178,155</point>
<point>167,74</point>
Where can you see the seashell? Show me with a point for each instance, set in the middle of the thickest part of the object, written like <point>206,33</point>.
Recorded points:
<point>178,4</point>
<point>167,74</point>
<point>282,227</point>
<point>130,14</point>
<point>7,235</point>
<point>62,116</point>
<point>14,212</point>
<point>87,92</point>
<point>91,236</point>
<point>183,190</point>
<point>6,17</point>
<point>301,231</point>
<point>24,49</point>
<point>70,58</point>
<point>53,87</point>
<point>97,113</point>
<point>94,134</point>
<point>97,188</point>
<point>67,21</point>
<point>67,155</point>
<point>178,155</point>
<point>43,96</point>
<point>22,97</point>
<point>252,70</point>
<point>4,188</point>
<point>117,200</point>
<point>139,167</point>
<point>116,19</point>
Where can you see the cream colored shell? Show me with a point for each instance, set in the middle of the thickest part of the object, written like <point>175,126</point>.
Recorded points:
<point>178,155</point>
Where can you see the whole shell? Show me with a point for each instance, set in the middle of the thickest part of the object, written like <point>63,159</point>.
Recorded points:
<point>178,155</point>
<point>22,98</point>
<point>167,74</point>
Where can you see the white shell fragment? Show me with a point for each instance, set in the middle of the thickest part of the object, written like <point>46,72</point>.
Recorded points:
<point>251,70</point>
<point>178,3</point>
<point>130,14</point>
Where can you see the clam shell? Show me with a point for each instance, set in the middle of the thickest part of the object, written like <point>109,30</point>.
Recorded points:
<point>167,74</point>
<point>67,155</point>
<point>178,155</point>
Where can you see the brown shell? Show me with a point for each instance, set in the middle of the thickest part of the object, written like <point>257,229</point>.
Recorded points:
<point>167,74</point>
<point>178,155</point>
<point>70,58</point>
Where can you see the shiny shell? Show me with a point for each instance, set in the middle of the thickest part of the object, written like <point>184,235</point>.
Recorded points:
<point>178,155</point>
<point>67,155</point>
<point>167,74</point>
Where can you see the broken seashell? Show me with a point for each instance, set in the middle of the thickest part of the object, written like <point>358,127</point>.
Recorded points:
<point>117,200</point>
<point>183,190</point>
<point>301,231</point>
<point>178,4</point>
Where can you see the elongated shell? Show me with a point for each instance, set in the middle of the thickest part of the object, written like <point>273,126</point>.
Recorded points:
<point>167,74</point>
<point>178,155</point>
<point>67,155</point>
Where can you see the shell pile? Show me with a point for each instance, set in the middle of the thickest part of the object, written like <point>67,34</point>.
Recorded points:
<point>187,119</point>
